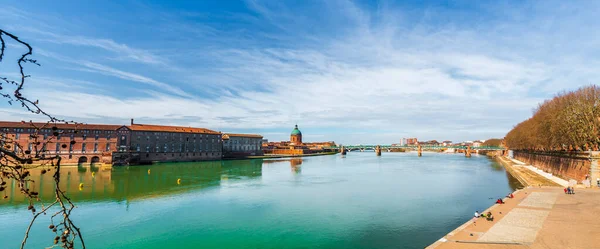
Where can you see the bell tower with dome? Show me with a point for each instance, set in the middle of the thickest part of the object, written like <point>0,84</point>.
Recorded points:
<point>296,136</point>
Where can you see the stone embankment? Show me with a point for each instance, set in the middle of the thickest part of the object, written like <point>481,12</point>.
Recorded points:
<point>525,175</point>
<point>568,166</point>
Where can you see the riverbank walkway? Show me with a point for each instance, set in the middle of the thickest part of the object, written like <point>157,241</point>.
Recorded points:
<point>537,218</point>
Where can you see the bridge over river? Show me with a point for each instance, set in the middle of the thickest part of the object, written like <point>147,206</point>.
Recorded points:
<point>423,147</point>
<point>419,148</point>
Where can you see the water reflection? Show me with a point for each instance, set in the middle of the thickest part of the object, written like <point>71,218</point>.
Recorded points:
<point>295,163</point>
<point>513,183</point>
<point>127,183</point>
<point>361,201</point>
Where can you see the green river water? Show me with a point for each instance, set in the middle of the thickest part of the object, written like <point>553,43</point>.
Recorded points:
<point>359,200</point>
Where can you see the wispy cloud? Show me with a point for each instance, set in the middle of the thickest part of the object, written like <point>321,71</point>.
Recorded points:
<point>120,51</point>
<point>98,68</point>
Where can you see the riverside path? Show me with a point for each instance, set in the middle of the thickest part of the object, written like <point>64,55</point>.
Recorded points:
<point>536,218</point>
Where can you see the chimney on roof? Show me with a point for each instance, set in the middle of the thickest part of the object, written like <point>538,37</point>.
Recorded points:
<point>132,121</point>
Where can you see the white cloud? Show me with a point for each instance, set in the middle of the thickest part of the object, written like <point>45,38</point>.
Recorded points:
<point>98,68</point>
<point>385,77</point>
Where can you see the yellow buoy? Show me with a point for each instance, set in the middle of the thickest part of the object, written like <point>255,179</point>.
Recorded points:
<point>80,186</point>
<point>179,181</point>
<point>148,172</point>
<point>93,174</point>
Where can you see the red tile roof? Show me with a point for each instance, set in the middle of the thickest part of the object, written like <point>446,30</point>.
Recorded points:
<point>5,124</point>
<point>165,128</point>
<point>242,135</point>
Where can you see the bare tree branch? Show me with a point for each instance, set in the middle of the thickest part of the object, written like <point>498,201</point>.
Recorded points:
<point>15,161</point>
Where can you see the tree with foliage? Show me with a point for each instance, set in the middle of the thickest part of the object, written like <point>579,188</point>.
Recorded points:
<point>492,142</point>
<point>569,121</point>
<point>17,162</point>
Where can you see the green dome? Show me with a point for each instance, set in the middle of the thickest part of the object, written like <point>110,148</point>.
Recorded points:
<point>296,131</point>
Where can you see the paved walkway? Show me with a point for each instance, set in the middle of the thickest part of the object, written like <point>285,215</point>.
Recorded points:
<point>538,218</point>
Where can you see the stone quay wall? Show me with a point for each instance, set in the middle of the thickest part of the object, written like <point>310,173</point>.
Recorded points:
<point>566,165</point>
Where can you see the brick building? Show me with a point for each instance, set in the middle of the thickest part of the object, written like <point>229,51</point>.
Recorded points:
<point>143,143</point>
<point>241,145</point>
<point>412,141</point>
<point>93,143</point>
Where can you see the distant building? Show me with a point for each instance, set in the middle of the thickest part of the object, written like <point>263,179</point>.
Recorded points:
<point>296,146</point>
<point>429,143</point>
<point>447,143</point>
<point>477,143</point>
<point>320,145</point>
<point>296,136</point>
<point>241,145</point>
<point>412,141</point>
<point>142,143</point>
<point>403,142</point>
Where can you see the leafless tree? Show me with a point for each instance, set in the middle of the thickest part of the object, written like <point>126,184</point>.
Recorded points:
<point>16,162</point>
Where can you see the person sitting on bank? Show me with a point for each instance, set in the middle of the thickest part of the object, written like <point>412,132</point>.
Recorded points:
<point>499,201</point>
<point>510,195</point>
<point>489,216</point>
<point>476,214</point>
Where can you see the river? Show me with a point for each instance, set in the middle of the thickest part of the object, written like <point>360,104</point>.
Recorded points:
<point>359,200</point>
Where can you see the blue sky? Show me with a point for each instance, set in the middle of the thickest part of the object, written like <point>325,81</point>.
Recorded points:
<point>349,71</point>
